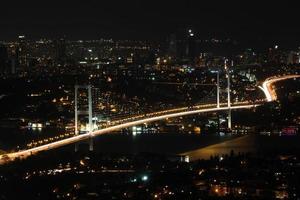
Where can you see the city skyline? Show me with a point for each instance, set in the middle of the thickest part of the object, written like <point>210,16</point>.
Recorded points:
<point>149,100</point>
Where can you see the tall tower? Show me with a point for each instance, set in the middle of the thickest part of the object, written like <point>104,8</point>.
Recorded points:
<point>22,51</point>
<point>190,50</point>
<point>228,93</point>
<point>88,111</point>
<point>218,89</point>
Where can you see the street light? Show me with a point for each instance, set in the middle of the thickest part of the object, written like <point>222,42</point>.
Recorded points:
<point>145,178</point>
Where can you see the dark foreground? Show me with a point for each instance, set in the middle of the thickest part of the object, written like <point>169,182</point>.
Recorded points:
<point>270,174</point>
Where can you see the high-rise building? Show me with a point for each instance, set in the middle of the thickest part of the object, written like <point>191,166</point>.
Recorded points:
<point>13,65</point>
<point>274,55</point>
<point>172,46</point>
<point>3,59</point>
<point>60,51</point>
<point>248,57</point>
<point>22,53</point>
<point>190,50</point>
<point>293,57</point>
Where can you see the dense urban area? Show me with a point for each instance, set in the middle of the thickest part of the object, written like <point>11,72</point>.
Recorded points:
<point>131,78</point>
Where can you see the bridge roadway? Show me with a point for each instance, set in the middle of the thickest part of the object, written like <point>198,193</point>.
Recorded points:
<point>267,86</point>
<point>135,121</point>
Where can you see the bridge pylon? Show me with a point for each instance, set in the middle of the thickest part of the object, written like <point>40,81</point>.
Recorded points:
<point>218,89</point>
<point>85,112</point>
<point>228,93</point>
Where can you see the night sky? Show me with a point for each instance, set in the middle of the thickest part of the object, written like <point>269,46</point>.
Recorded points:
<point>144,19</point>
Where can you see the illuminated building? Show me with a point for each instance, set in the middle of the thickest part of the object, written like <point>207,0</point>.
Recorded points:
<point>22,51</point>
<point>190,49</point>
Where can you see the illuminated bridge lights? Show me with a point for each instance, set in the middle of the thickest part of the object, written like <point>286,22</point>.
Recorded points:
<point>146,118</point>
<point>267,86</point>
<point>77,138</point>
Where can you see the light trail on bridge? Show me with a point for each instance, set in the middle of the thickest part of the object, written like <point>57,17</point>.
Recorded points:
<point>25,153</point>
<point>150,117</point>
<point>268,83</point>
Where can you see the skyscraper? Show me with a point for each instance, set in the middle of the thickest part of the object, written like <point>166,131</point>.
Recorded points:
<point>172,48</point>
<point>60,51</point>
<point>190,50</point>
<point>22,51</point>
<point>3,59</point>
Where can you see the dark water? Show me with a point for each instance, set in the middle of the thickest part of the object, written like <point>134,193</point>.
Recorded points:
<point>163,143</point>
<point>10,138</point>
<point>195,146</point>
<point>251,143</point>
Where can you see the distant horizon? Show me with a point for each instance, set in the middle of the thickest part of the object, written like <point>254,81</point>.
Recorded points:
<point>255,22</point>
<point>259,43</point>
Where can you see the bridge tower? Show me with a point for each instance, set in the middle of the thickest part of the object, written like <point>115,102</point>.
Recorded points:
<point>228,93</point>
<point>218,89</point>
<point>85,112</point>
